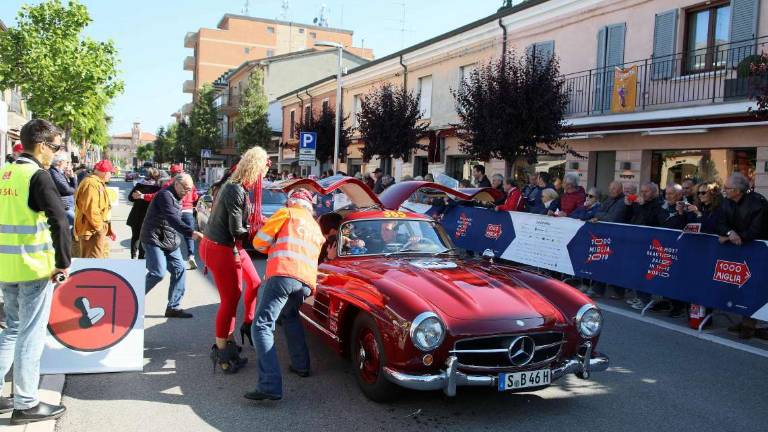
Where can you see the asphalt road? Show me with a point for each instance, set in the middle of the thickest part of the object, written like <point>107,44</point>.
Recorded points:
<point>659,380</point>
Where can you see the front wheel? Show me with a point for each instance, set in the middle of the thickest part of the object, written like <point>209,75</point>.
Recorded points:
<point>368,360</point>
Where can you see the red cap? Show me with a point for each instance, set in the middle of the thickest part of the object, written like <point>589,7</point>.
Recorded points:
<point>301,194</point>
<point>176,169</point>
<point>18,148</point>
<point>104,166</point>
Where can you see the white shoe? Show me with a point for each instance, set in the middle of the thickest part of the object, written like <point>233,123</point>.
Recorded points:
<point>192,263</point>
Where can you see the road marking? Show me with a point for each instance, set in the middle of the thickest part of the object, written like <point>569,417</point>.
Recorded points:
<point>687,331</point>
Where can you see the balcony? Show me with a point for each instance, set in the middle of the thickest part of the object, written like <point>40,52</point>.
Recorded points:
<point>189,63</point>
<point>227,103</point>
<point>190,40</point>
<point>188,86</point>
<point>687,79</point>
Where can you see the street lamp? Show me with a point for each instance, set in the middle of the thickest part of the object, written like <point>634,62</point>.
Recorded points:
<point>338,102</point>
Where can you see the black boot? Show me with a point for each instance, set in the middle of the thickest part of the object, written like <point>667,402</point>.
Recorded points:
<point>245,333</point>
<point>227,359</point>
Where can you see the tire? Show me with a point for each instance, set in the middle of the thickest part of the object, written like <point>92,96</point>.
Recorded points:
<point>368,360</point>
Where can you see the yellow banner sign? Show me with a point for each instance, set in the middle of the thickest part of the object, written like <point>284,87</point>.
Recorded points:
<point>624,90</point>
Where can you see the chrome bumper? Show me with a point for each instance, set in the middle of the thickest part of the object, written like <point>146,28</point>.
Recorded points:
<point>450,378</point>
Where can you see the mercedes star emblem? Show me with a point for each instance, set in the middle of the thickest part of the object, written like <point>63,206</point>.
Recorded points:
<point>521,351</point>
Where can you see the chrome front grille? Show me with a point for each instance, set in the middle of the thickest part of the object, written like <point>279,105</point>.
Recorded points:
<point>492,352</point>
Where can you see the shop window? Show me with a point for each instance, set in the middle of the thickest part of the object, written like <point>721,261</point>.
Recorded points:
<point>714,165</point>
<point>707,33</point>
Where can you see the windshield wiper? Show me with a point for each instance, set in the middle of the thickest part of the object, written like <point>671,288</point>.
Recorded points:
<point>448,250</point>
<point>401,251</point>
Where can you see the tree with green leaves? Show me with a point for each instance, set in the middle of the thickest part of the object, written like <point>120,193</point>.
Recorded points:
<point>252,124</point>
<point>183,141</point>
<point>513,108</point>
<point>66,77</point>
<point>324,123</point>
<point>163,146</point>
<point>390,123</point>
<point>204,124</point>
<point>145,152</point>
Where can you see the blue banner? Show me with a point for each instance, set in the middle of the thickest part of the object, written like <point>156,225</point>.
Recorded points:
<point>690,267</point>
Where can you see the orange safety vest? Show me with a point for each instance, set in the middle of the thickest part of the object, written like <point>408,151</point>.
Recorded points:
<point>294,240</point>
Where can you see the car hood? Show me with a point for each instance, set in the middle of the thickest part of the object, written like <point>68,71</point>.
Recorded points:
<point>461,290</point>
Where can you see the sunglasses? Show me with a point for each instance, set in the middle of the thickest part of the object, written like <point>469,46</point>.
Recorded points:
<point>54,147</point>
<point>702,192</point>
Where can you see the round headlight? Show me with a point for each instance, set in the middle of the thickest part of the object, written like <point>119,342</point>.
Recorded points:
<point>427,331</point>
<point>589,321</point>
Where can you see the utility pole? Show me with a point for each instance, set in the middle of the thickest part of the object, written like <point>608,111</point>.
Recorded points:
<point>246,7</point>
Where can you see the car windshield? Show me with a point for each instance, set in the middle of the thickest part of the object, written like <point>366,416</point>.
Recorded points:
<point>392,236</point>
<point>272,197</point>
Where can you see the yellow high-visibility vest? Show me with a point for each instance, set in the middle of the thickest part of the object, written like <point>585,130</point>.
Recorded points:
<point>26,248</point>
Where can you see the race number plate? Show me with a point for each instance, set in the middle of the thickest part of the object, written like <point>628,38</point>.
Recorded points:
<point>519,380</point>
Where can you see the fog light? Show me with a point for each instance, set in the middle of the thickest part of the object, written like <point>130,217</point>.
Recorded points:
<point>427,359</point>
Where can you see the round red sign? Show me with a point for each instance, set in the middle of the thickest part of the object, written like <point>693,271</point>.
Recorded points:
<point>93,310</point>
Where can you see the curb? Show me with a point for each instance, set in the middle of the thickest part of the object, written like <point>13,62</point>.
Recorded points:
<point>51,387</point>
<point>684,330</point>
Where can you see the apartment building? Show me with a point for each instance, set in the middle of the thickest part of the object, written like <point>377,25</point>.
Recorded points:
<point>280,74</point>
<point>238,39</point>
<point>654,88</point>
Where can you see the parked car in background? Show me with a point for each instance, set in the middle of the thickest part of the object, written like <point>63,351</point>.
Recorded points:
<point>413,313</point>
<point>271,201</point>
<point>131,176</point>
<point>203,211</point>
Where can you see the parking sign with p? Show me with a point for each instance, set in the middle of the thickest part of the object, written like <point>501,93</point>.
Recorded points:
<point>307,142</point>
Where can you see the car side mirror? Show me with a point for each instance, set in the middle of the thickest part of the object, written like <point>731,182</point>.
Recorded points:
<point>489,255</point>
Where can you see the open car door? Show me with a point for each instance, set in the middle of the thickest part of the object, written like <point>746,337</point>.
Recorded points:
<point>397,194</point>
<point>357,191</point>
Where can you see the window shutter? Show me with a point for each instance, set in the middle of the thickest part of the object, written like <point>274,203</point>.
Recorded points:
<point>614,55</point>
<point>744,14</point>
<point>664,38</point>
<point>599,77</point>
<point>425,100</point>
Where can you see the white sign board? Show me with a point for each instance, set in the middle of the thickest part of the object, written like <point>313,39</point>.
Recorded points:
<point>97,319</point>
<point>542,241</point>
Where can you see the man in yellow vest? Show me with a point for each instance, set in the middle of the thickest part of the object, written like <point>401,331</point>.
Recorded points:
<point>34,251</point>
<point>292,239</point>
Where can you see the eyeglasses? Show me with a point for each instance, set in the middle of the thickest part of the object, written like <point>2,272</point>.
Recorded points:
<point>54,147</point>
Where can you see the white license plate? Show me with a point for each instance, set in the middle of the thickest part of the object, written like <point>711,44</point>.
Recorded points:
<point>519,380</point>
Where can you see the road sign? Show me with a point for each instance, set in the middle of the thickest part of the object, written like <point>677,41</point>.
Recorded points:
<point>205,153</point>
<point>307,162</point>
<point>308,141</point>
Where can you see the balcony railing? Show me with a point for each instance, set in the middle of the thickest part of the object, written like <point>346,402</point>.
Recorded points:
<point>707,75</point>
<point>226,101</point>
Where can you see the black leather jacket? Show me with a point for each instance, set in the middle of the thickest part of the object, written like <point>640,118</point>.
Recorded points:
<point>747,217</point>
<point>228,221</point>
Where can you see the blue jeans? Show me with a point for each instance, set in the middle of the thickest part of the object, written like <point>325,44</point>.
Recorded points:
<point>189,219</point>
<point>279,296</point>
<point>27,307</point>
<point>158,261</point>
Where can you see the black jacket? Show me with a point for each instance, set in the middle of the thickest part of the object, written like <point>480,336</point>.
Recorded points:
<point>484,182</point>
<point>671,218</point>
<point>140,206</point>
<point>44,197</point>
<point>710,220</point>
<point>228,221</point>
<point>649,214</point>
<point>163,220</point>
<point>612,210</point>
<point>747,217</point>
<point>66,187</point>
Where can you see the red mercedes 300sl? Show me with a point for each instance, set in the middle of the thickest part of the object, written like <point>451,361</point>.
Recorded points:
<point>410,312</point>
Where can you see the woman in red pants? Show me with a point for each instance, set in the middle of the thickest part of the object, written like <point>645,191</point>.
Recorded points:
<point>222,253</point>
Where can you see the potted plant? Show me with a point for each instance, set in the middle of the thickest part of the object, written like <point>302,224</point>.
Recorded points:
<point>740,87</point>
